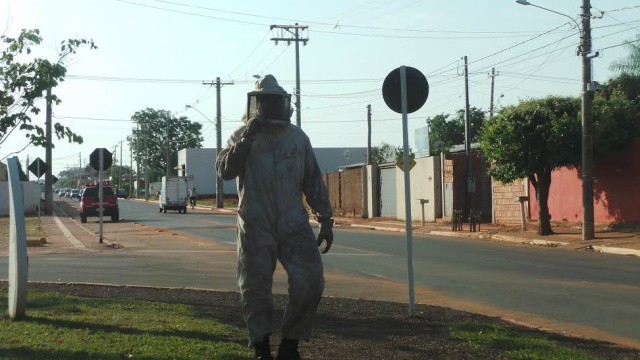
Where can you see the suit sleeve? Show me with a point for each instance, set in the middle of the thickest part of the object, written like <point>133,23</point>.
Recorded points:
<point>313,186</point>
<point>230,161</point>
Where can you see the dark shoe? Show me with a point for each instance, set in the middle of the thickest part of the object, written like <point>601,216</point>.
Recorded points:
<point>288,350</point>
<point>263,350</point>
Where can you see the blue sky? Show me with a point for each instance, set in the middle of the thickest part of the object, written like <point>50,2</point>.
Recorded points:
<point>352,47</point>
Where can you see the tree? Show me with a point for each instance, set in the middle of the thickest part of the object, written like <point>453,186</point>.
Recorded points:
<point>25,82</point>
<point>151,140</point>
<point>531,140</point>
<point>631,64</point>
<point>382,153</point>
<point>539,135</point>
<point>446,131</point>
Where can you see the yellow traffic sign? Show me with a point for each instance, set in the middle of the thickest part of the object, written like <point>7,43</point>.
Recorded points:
<point>400,163</point>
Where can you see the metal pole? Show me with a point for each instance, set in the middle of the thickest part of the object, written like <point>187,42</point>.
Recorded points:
<point>40,194</point>
<point>467,137</point>
<point>145,129</point>
<point>167,145</point>
<point>298,115</point>
<point>369,134</point>
<point>587,126</point>
<point>100,192</point>
<point>407,187</point>
<point>48,186</point>
<point>219,183</point>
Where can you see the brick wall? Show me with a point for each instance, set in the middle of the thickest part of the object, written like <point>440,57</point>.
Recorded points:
<point>505,209</point>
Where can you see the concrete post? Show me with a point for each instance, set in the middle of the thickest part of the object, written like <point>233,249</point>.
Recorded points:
<point>18,261</point>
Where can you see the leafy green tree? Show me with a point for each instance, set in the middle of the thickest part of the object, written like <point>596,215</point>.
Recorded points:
<point>399,153</point>
<point>446,131</point>
<point>531,140</point>
<point>631,64</point>
<point>24,82</point>
<point>150,141</point>
<point>539,135</point>
<point>382,153</point>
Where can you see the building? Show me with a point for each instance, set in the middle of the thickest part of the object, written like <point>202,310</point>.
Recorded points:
<point>200,163</point>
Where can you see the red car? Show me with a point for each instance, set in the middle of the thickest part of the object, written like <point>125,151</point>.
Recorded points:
<point>89,203</point>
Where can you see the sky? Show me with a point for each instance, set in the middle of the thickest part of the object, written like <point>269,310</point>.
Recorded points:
<point>157,54</point>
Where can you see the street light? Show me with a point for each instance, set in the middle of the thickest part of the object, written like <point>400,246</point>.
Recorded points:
<point>587,112</point>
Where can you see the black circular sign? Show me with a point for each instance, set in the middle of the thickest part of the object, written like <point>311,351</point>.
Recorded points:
<point>94,159</point>
<point>417,90</point>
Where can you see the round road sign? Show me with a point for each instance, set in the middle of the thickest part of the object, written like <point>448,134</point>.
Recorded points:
<point>417,90</point>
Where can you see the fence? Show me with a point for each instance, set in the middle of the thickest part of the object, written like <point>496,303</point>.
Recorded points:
<point>346,191</point>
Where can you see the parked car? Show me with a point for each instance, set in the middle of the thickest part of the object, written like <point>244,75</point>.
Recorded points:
<point>75,193</point>
<point>122,193</point>
<point>89,202</point>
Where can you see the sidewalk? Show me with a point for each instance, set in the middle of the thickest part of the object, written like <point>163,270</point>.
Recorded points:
<point>567,235</point>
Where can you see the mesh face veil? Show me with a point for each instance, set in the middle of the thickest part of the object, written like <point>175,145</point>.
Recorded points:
<point>269,100</point>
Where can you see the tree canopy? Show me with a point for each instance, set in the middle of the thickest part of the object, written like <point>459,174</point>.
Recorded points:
<point>631,64</point>
<point>150,140</point>
<point>446,130</point>
<point>25,82</point>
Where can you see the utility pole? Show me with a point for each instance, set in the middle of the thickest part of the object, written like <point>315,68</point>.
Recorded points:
<point>167,145</point>
<point>587,125</point>
<point>120,168</point>
<point>219,182</point>
<point>493,80</point>
<point>145,130</point>
<point>137,132</point>
<point>48,191</point>
<point>295,31</point>
<point>131,165</point>
<point>467,137</point>
<point>369,134</point>
<point>79,169</point>
<point>115,162</point>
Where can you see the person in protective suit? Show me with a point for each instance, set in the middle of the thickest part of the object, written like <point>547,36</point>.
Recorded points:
<point>275,165</point>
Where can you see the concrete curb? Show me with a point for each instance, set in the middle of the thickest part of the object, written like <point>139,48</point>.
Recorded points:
<point>616,250</point>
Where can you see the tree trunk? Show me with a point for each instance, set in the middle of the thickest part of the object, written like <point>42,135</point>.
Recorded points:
<point>542,195</point>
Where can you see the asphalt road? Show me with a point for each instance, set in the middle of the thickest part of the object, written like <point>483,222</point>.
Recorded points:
<point>594,291</point>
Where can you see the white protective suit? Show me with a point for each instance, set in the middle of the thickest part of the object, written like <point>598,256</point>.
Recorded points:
<point>273,172</point>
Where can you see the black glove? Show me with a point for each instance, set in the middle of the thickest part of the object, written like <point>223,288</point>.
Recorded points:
<point>326,234</point>
<point>253,127</point>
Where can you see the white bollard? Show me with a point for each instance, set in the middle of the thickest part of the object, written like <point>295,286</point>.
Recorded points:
<point>18,266</point>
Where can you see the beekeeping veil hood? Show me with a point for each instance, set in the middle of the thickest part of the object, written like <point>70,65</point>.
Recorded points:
<point>275,101</point>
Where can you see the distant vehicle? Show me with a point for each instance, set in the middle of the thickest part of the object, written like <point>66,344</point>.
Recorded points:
<point>89,203</point>
<point>122,193</point>
<point>75,193</point>
<point>174,193</point>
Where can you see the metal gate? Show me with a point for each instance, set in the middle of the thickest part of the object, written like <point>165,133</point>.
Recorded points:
<point>388,191</point>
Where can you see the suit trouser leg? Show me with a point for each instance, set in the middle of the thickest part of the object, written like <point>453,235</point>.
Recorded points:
<point>257,258</point>
<point>300,258</point>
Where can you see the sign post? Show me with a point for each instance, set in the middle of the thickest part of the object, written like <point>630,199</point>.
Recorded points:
<point>38,168</point>
<point>18,261</point>
<point>100,159</point>
<point>405,90</point>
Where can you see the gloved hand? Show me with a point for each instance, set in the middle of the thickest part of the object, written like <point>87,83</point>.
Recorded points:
<point>253,127</point>
<point>326,234</point>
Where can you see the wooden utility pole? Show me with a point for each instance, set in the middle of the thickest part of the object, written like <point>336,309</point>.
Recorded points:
<point>219,182</point>
<point>293,30</point>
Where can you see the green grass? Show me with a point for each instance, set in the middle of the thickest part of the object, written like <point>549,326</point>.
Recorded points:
<point>515,344</point>
<point>68,327</point>
<point>31,224</point>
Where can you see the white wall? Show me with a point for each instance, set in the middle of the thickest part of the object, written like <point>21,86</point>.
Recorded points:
<point>425,184</point>
<point>201,163</point>
<point>30,193</point>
